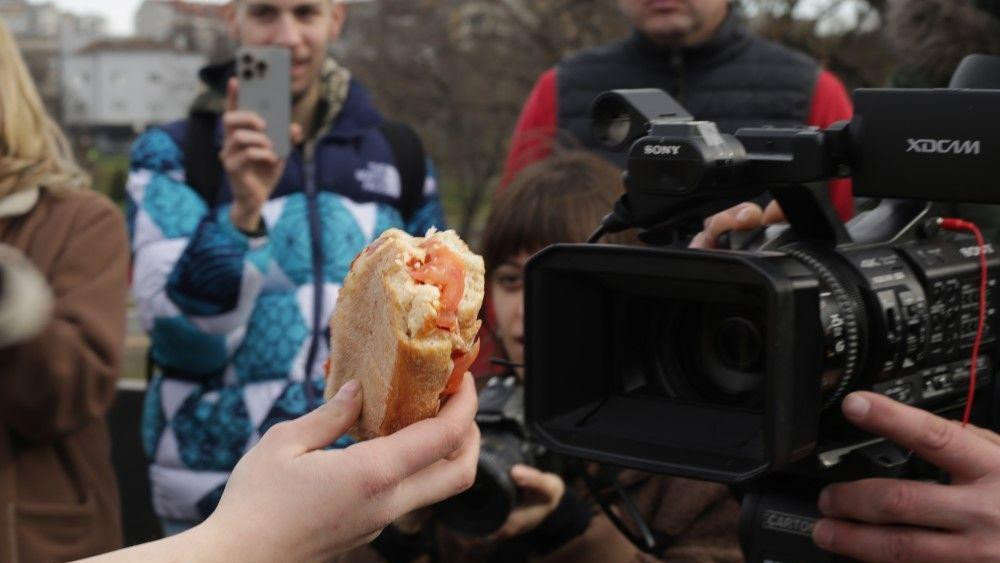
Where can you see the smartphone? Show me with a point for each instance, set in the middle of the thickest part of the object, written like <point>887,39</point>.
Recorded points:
<point>266,89</point>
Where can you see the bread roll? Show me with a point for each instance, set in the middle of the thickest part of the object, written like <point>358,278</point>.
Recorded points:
<point>402,338</point>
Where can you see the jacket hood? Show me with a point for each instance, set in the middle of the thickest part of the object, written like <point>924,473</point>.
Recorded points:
<point>931,37</point>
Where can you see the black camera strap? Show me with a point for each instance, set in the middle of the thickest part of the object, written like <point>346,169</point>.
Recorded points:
<point>647,539</point>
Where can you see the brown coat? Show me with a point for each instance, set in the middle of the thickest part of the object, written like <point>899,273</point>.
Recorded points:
<point>58,498</point>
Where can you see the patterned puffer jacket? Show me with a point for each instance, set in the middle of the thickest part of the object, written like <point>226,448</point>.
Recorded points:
<point>239,325</point>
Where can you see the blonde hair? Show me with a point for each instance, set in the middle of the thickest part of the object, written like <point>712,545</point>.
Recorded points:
<point>33,150</point>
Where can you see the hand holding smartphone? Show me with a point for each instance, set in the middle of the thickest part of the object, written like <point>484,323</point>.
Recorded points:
<point>258,130</point>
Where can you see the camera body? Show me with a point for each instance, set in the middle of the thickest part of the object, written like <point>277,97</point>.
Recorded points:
<point>726,366</point>
<point>505,442</point>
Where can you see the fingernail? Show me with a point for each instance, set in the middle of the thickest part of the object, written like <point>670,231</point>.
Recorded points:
<point>698,241</point>
<point>348,391</point>
<point>855,406</point>
<point>823,534</point>
<point>824,501</point>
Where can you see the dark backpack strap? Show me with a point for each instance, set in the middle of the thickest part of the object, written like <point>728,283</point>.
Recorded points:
<point>202,166</point>
<point>411,163</point>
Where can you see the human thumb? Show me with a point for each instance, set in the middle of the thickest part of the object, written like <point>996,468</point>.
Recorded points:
<point>323,426</point>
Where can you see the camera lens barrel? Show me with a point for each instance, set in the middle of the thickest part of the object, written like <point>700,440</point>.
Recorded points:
<point>484,508</point>
<point>843,320</point>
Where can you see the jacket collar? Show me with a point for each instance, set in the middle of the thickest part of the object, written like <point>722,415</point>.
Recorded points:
<point>19,203</point>
<point>730,38</point>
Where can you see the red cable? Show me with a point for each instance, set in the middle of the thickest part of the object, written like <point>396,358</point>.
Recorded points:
<point>960,225</point>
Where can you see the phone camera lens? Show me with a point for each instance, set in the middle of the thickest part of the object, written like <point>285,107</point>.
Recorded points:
<point>261,68</point>
<point>247,59</point>
<point>247,74</point>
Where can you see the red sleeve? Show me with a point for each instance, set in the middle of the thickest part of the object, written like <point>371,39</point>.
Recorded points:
<point>532,139</point>
<point>830,104</point>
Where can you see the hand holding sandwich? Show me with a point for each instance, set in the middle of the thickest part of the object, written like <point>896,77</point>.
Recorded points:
<point>291,500</point>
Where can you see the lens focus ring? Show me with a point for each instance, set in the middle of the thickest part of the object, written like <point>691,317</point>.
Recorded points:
<point>850,307</point>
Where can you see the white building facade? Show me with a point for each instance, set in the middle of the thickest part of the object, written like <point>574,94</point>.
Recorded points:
<point>129,83</point>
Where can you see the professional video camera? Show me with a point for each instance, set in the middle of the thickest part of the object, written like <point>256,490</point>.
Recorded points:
<point>731,365</point>
<point>506,442</point>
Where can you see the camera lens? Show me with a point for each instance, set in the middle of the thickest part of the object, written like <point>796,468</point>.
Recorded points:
<point>261,68</point>
<point>843,321</point>
<point>484,508</point>
<point>729,365</point>
<point>738,344</point>
<point>247,59</point>
<point>612,124</point>
<point>708,352</point>
<point>247,74</point>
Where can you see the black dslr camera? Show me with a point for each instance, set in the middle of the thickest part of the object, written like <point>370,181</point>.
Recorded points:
<point>484,508</point>
<point>730,366</point>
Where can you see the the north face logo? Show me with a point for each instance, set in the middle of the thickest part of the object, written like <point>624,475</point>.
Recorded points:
<point>380,178</point>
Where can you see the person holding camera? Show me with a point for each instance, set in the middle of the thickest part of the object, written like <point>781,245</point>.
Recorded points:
<point>554,518</point>
<point>239,254</point>
<point>882,520</point>
<point>60,346</point>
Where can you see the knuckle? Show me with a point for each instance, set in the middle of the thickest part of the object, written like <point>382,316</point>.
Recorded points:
<point>897,499</point>
<point>453,437</point>
<point>937,434</point>
<point>899,547</point>
<point>987,514</point>
<point>375,481</point>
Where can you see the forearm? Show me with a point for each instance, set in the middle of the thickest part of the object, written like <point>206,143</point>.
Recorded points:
<point>201,544</point>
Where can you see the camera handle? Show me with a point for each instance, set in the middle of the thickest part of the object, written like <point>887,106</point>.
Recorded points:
<point>810,214</point>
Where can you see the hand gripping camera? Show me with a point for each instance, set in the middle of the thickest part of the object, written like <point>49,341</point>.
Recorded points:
<point>730,366</point>
<point>506,442</point>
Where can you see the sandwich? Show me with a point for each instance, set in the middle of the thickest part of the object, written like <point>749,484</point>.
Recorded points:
<point>405,327</point>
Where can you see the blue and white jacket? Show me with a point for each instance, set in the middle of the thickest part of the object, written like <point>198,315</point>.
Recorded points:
<point>239,326</point>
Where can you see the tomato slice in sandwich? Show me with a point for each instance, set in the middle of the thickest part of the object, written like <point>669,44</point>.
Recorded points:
<point>444,269</point>
<point>463,361</point>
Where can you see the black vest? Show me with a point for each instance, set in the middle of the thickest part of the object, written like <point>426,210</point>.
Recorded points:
<point>734,79</point>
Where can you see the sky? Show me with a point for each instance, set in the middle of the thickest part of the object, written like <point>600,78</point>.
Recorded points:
<point>120,13</point>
